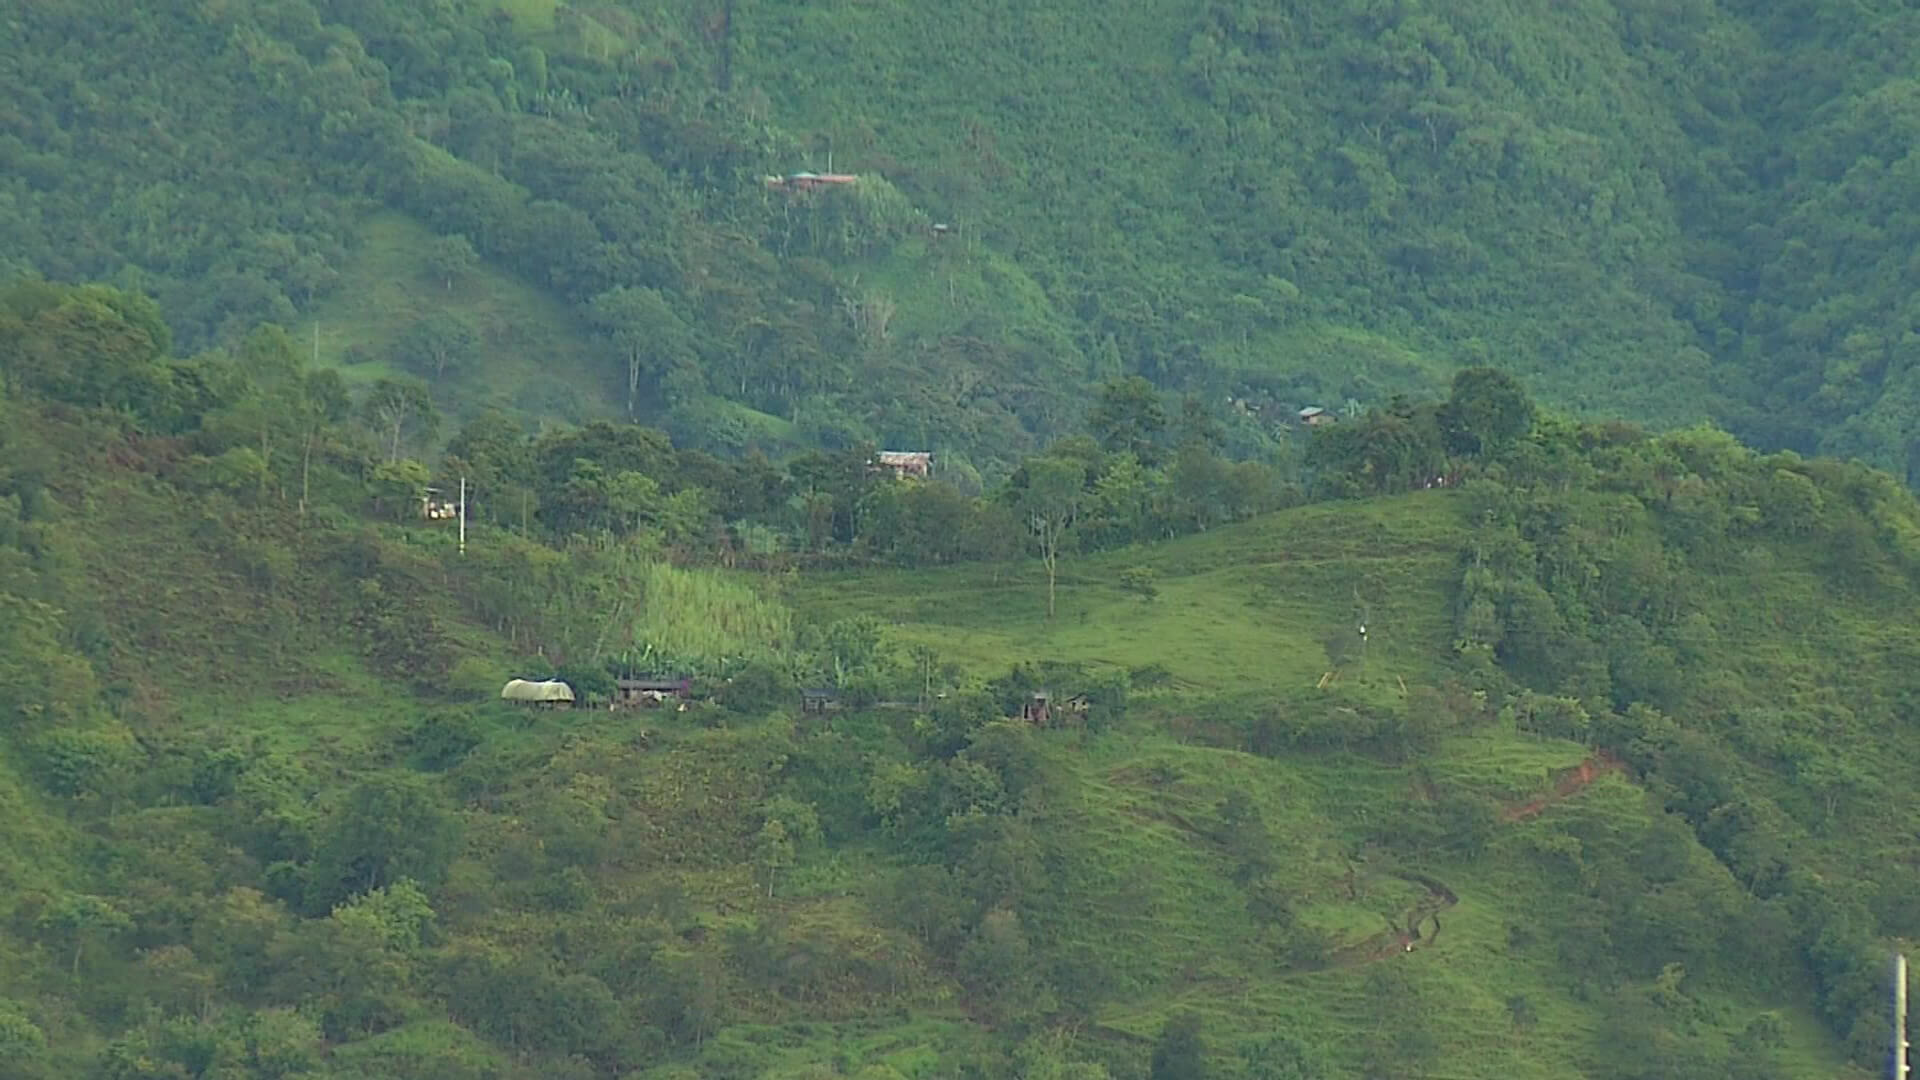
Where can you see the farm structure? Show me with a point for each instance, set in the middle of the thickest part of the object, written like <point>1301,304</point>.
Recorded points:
<point>1042,709</point>
<point>544,693</point>
<point>650,692</point>
<point>808,181</point>
<point>819,699</point>
<point>904,463</point>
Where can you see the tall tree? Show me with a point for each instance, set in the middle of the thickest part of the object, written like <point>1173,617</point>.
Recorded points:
<point>773,851</point>
<point>92,345</point>
<point>1487,410</point>
<point>398,407</point>
<point>450,258</point>
<point>1128,418</point>
<point>437,343</point>
<point>1199,427</point>
<point>1051,501</point>
<point>266,383</point>
<point>649,335</point>
<point>83,918</point>
<point>391,826</point>
<point>322,404</point>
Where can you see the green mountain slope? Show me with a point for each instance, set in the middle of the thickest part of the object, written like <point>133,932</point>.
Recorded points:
<point>1610,785</point>
<point>1446,179</point>
<point>504,345</point>
<point>1511,984</point>
<point>1672,213</point>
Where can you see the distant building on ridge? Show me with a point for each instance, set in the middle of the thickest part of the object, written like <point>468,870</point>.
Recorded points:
<point>904,462</point>
<point>806,181</point>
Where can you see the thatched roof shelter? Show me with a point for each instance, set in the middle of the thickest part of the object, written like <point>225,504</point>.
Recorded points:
<point>547,691</point>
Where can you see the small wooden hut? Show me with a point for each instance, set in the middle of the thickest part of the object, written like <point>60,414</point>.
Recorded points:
<point>650,692</point>
<point>819,699</point>
<point>1038,709</point>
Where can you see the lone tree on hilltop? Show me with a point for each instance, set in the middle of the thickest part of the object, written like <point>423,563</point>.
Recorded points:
<point>1487,411</point>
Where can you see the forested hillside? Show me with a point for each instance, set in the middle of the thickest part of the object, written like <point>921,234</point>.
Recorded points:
<point>1517,746</point>
<point>1518,723</point>
<point>1665,212</point>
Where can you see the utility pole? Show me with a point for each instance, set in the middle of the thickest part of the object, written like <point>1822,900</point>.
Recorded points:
<point>1900,1016</point>
<point>463,515</point>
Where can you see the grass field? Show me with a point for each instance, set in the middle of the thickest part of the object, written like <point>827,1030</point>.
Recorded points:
<point>1249,606</point>
<point>1252,607</point>
<point>533,357</point>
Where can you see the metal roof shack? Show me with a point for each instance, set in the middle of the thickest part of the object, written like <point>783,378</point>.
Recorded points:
<point>651,691</point>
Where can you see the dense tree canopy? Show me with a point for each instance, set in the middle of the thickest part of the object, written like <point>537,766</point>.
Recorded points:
<point>1679,215</point>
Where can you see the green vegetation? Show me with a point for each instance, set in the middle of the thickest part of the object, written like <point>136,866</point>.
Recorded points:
<point>1519,746</point>
<point>1675,214</point>
<point>1153,736</point>
<point>408,304</point>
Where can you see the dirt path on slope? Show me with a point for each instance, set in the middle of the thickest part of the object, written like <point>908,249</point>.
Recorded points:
<point>1411,934</point>
<point>1566,784</point>
<point>1402,939</point>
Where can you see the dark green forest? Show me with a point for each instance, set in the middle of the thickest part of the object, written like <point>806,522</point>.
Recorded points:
<point>1672,214</point>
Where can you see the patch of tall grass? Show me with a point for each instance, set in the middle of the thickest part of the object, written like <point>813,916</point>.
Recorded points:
<point>702,617</point>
